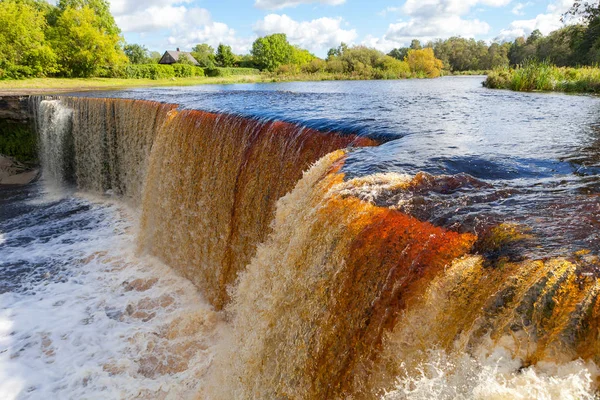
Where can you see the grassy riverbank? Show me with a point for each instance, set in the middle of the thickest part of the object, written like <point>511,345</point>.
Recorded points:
<point>544,77</point>
<point>72,84</point>
<point>50,85</point>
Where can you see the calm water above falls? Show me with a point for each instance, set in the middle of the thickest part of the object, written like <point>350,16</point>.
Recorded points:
<point>535,156</point>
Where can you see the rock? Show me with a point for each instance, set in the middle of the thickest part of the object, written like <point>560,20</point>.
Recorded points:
<point>14,173</point>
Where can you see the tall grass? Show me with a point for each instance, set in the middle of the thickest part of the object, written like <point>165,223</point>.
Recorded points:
<point>543,76</point>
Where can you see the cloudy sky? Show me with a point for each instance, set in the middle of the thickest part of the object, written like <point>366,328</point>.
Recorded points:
<point>321,24</point>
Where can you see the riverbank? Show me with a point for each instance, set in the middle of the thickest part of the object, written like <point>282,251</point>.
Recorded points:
<point>54,85</point>
<point>32,86</point>
<point>544,77</point>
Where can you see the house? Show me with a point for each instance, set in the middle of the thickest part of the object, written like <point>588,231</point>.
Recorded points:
<point>171,57</point>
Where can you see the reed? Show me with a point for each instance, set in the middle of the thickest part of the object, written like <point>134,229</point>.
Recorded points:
<point>545,77</point>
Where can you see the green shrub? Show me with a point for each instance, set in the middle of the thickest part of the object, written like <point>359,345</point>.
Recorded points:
<point>151,71</point>
<point>18,141</point>
<point>542,76</point>
<point>221,72</point>
<point>315,66</point>
<point>335,66</point>
<point>183,70</point>
<point>287,69</point>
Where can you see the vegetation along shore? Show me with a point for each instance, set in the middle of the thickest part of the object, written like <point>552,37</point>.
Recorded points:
<point>77,45</point>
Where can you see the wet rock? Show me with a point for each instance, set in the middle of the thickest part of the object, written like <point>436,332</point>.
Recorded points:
<point>13,172</point>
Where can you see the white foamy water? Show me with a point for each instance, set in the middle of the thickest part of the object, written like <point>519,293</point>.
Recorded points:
<point>85,317</point>
<point>495,376</point>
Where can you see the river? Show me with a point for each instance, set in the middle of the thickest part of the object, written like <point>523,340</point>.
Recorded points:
<point>450,251</point>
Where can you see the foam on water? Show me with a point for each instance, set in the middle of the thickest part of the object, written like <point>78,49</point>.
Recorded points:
<point>87,318</point>
<point>495,376</point>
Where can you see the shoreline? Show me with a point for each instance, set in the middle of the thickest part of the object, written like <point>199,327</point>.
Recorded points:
<point>41,86</point>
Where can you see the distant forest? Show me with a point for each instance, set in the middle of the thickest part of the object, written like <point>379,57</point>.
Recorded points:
<point>79,38</point>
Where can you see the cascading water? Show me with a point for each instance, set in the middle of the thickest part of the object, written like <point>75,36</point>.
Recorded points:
<point>331,287</point>
<point>53,122</point>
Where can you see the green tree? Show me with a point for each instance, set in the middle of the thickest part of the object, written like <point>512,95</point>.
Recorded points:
<point>23,47</point>
<point>399,53</point>
<point>154,57</point>
<point>83,44</point>
<point>245,61</point>
<point>415,44</point>
<point>496,57</point>
<point>205,55</point>
<point>137,54</point>
<point>337,51</point>
<point>224,56</point>
<point>101,8</point>
<point>300,56</point>
<point>272,51</point>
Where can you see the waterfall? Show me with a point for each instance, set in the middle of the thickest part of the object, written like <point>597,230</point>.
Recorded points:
<point>329,293</point>
<point>53,122</point>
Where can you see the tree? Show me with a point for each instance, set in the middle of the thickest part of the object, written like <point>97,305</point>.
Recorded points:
<point>205,55</point>
<point>399,53</point>
<point>23,47</point>
<point>82,43</point>
<point>137,54</point>
<point>300,56</point>
<point>424,62</point>
<point>101,8</point>
<point>154,57</point>
<point>534,37</point>
<point>337,51</point>
<point>496,57</point>
<point>520,51</point>
<point>224,56</point>
<point>415,44</point>
<point>271,51</point>
<point>586,10</point>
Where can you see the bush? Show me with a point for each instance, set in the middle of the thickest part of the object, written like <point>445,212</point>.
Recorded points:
<point>18,141</point>
<point>221,72</point>
<point>391,68</point>
<point>183,70</point>
<point>287,69</point>
<point>315,66</point>
<point>334,66</point>
<point>542,76</point>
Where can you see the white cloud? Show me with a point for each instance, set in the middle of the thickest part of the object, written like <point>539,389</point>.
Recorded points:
<point>156,18</point>
<point>279,4</point>
<point>546,23</point>
<point>433,19</point>
<point>436,27</point>
<point>316,35</point>
<point>389,10</point>
<point>440,8</point>
<point>184,27</point>
<point>127,7</point>
<point>519,7</point>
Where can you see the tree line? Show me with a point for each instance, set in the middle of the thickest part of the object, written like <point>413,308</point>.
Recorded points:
<point>577,44</point>
<point>79,38</point>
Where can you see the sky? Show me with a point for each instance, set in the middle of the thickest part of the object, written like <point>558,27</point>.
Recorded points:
<point>318,25</point>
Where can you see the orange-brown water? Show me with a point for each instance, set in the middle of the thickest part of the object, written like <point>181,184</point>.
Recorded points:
<point>329,293</point>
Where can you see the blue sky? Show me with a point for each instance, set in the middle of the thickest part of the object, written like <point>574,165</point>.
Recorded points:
<point>321,24</point>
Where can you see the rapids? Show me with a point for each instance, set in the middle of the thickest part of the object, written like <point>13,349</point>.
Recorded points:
<point>305,249</point>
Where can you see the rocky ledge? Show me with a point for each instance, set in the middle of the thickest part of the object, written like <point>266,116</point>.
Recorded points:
<point>13,172</point>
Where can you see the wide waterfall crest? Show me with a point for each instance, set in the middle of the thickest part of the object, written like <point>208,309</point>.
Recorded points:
<point>333,287</point>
